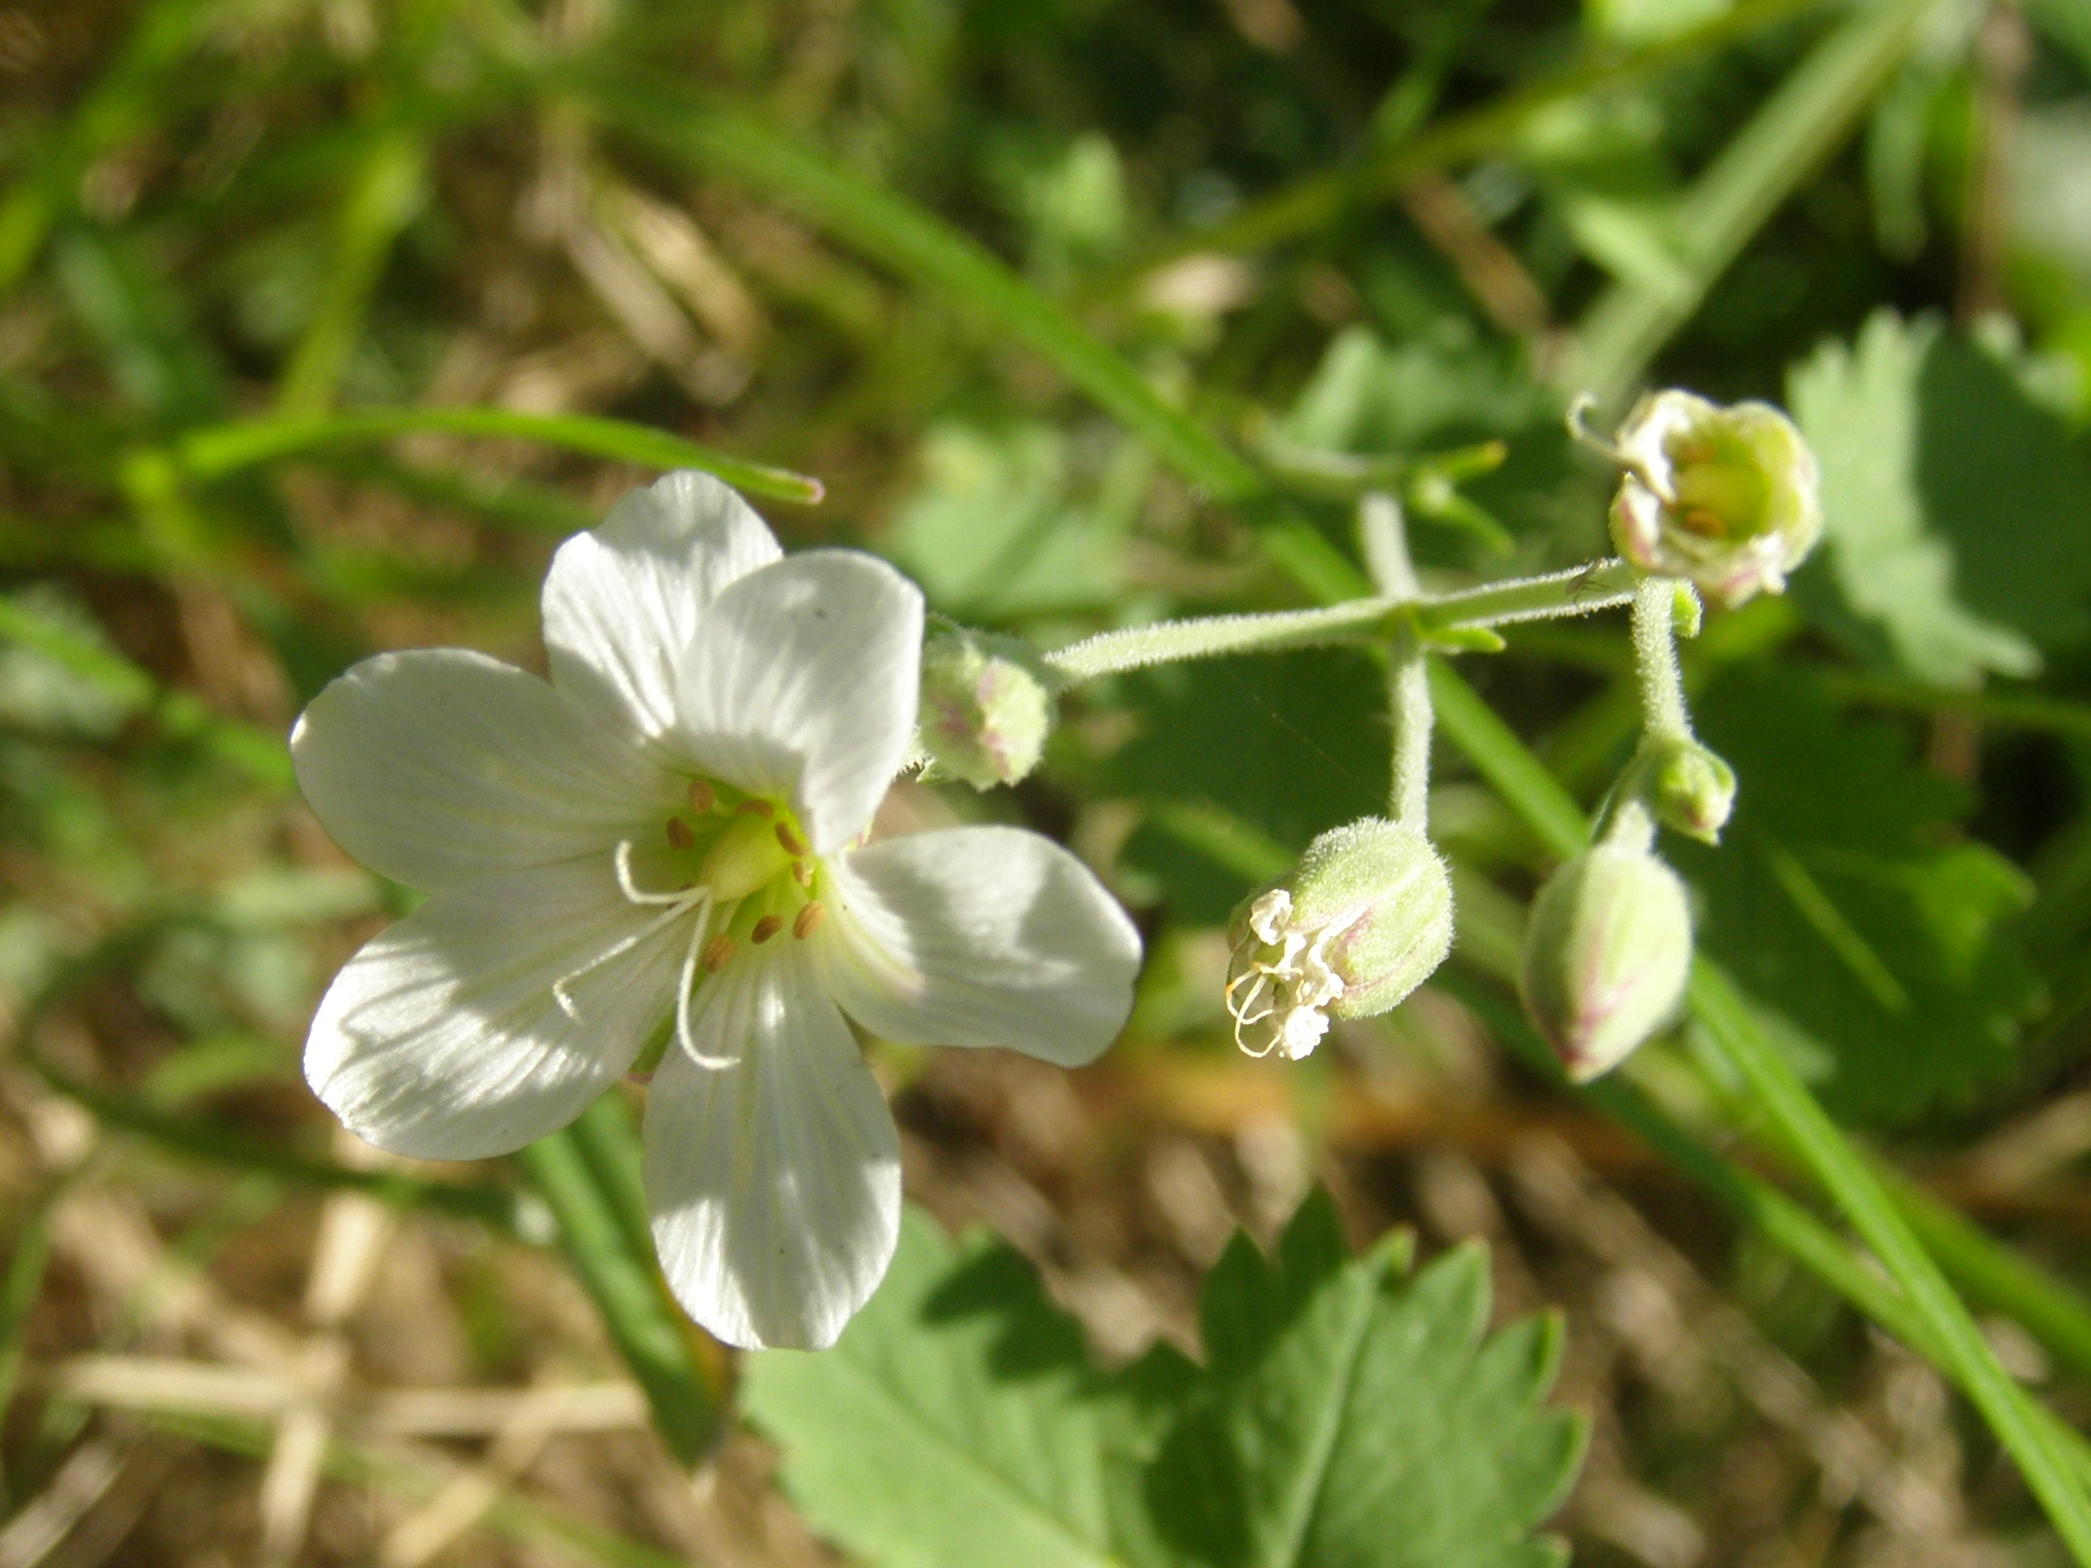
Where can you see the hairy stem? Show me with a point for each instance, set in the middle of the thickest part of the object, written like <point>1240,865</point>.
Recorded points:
<point>1384,539</point>
<point>1602,585</point>
<point>1581,590</point>
<point>1663,712</point>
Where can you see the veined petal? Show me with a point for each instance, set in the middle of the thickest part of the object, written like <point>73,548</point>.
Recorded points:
<point>979,936</point>
<point>445,1037</point>
<point>803,681</point>
<point>774,1180</point>
<point>436,766</point>
<point>623,600</point>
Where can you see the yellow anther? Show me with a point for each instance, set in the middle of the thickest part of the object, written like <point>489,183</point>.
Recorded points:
<point>765,928</point>
<point>702,797</point>
<point>802,872</point>
<point>808,920</point>
<point>679,834</point>
<point>793,844</point>
<point>716,953</point>
<point>756,808</point>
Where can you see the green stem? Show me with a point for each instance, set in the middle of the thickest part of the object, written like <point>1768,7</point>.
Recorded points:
<point>1581,590</point>
<point>1384,541</point>
<point>1663,713</point>
<point>1204,637</point>
<point>1385,545</point>
<point>1599,586</point>
<point>1408,692</point>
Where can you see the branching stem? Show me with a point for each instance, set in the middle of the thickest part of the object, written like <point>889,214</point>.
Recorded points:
<point>1601,585</point>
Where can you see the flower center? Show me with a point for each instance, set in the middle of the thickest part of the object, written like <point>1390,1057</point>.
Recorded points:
<point>1717,489</point>
<point>1280,982</point>
<point>736,868</point>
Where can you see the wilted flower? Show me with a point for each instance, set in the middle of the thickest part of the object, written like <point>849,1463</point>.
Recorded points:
<point>662,844</point>
<point>1607,954</point>
<point>1724,496</point>
<point>986,707</point>
<point>1362,921</point>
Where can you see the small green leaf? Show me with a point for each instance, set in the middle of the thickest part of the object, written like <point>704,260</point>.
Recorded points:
<point>1354,1413</point>
<point>1349,1413</point>
<point>1880,955</point>
<point>954,1423</point>
<point>1954,507</point>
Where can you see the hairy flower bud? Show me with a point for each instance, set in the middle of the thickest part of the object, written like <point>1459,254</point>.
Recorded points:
<point>1689,787</point>
<point>1606,956</point>
<point>1724,496</point>
<point>1352,930</point>
<point>986,707</point>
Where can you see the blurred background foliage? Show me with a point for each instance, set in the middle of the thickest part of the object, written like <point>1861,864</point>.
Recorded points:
<point>322,320</point>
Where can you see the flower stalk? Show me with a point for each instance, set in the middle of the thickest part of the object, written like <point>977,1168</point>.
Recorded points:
<point>1385,542</point>
<point>1601,585</point>
<point>1663,712</point>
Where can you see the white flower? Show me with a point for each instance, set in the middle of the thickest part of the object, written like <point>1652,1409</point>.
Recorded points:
<point>663,841</point>
<point>1725,496</point>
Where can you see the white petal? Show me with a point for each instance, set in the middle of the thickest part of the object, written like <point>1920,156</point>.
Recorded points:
<point>435,766</point>
<point>803,682</point>
<point>443,1037</point>
<point>622,600</point>
<point>979,936</point>
<point>774,1181</point>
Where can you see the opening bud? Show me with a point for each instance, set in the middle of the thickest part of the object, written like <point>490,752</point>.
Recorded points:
<point>987,707</point>
<point>1689,787</point>
<point>1351,931</point>
<point>1606,956</point>
<point>1724,496</point>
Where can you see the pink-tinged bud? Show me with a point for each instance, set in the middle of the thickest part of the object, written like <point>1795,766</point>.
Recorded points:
<point>986,707</point>
<point>1362,921</point>
<point>1724,496</point>
<point>1606,956</point>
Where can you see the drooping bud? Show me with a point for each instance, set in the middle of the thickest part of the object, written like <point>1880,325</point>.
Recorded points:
<point>1351,931</point>
<point>1689,787</point>
<point>1606,956</point>
<point>1724,496</point>
<point>986,707</point>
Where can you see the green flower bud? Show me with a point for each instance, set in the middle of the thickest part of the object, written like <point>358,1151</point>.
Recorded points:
<point>1687,786</point>
<point>1606,955</point>
<point>1352,930</point>
<point>987,707</point>
<point>1724,496</point>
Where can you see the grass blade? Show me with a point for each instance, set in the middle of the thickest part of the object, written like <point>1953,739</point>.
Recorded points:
<point>593,1212</point>
<point>930,253</point>
<point>1802,123</point>
<point>222,449</point>
<point>261,753</point>
<point>1830,1157</point>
